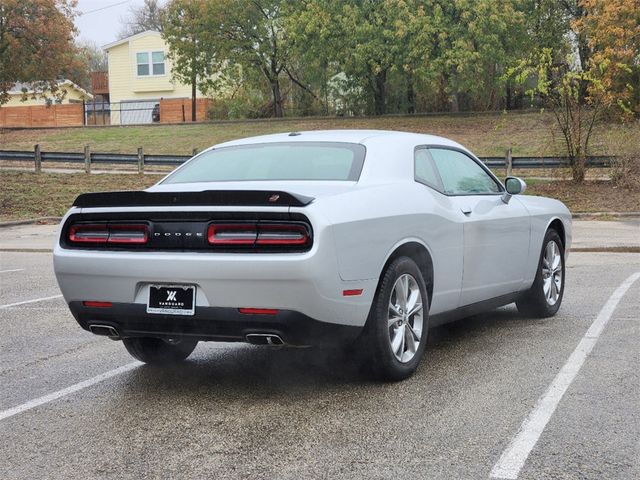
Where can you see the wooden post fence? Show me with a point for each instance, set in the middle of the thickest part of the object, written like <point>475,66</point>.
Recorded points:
<point>87,159</point>
<point>37,154</point>
<point>140,160</point>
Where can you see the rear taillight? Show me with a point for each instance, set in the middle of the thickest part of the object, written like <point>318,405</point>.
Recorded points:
<point>259,234</point>
<point>128,234</point>
<point>232,234</point>
<point>89,233</point>
<point>282,234</point>
<point>109,233</point>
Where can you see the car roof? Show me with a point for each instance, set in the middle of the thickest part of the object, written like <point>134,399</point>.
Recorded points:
<point>349,136</point>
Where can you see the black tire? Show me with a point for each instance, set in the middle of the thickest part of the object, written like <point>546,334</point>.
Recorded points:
<point>159,351</point>
<point>374,344</point>
<point>534,302</point>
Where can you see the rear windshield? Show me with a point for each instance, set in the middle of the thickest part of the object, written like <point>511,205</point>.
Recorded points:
<point>275,161</point>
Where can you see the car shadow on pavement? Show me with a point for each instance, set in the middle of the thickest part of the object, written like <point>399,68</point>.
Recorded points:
<point>245,368</point>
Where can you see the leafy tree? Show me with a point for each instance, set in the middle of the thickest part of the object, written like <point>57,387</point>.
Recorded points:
<point>362,37</point>
<point>455,51</point>
<point>576,12</point>
<point>475,41</point>
<point>562,86</point>
<point>612,29</point>
<point>143,18</point>
<point>190,49</point>
<point>251,36</point>
<point>36,43</point>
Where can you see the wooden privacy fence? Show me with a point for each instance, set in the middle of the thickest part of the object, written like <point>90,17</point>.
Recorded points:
<point>34,116</point>
<point>176,110</point>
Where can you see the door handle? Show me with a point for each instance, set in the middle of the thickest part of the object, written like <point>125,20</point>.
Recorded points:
<point>466,210</point>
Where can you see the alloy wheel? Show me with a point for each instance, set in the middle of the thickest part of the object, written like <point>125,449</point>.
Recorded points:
<point>405,318</point>
<point>552,273</point>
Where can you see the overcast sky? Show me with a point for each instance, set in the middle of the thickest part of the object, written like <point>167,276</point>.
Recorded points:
<point>99,20</point>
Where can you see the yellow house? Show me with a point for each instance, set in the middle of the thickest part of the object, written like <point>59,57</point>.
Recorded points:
<point>139,76</point>
<point>21,94</point>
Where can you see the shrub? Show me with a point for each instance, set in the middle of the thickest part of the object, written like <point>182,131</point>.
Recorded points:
<point>625,172</point>
<point>242,104</point>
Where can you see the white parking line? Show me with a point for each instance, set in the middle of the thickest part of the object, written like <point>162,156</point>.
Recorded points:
<point>14,270</point>
<point>67,391</point>
<point>9,305</point>
<point>516,454</point>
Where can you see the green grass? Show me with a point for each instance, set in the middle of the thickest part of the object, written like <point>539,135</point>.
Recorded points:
<point>29,195</point>
<point>486,134</point>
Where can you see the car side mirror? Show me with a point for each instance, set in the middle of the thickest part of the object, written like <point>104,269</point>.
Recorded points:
<point>513,186</point>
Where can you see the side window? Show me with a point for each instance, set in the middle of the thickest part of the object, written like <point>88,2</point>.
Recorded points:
<point>425,170</point>
<point>461,175</point>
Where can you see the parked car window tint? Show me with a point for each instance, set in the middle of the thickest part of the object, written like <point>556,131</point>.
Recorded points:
<point>275,161</point>
<point>461,175</point>
<point>425,170</point>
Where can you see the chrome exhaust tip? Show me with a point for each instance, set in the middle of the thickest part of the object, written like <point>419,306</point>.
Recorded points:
<point>104,330</point>
<point>264,339</point>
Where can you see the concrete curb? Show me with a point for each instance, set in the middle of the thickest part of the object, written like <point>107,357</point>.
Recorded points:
<point>30,221</point>
<point>606,249</point>
<point>605,214</point>
<point>26,250</point>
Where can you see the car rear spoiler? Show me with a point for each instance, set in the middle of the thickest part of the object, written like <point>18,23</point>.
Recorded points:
<point>248,198</point>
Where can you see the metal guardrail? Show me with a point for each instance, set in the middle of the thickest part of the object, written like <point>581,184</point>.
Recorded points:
<point>142,159</point>
<point>600,161</point>
<point>75,157</point>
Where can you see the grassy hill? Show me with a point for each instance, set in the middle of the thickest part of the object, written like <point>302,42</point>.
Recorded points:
<point>486,134</point>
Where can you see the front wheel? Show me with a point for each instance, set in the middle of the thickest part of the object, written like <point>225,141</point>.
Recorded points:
<point>157,350</point>
<point>395,335</point>
<point>544,297</point>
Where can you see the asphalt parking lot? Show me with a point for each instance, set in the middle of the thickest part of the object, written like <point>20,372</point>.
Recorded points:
<point>240,411</point>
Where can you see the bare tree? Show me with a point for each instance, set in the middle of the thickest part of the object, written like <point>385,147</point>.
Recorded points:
<point>141,19</point>
<point>94,57</point>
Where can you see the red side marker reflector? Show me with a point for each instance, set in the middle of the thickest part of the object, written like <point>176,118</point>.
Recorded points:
<point>352,293</point>
<point>97,304</point>
<point>258,311</point>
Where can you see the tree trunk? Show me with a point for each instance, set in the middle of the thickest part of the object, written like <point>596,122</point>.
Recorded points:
<point>578,168</point>
<point>411,95</point>
<point>194,78</point>
<point>442,101</point>
<point>455,105</point>
<point>379,93</point>
<point>193,98</point>
<point>277,98</point>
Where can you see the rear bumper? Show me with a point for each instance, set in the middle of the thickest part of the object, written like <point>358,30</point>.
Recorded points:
<point>307,282</point>
<point>213,323</point>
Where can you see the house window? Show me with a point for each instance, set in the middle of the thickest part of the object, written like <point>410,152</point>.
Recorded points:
<point>157,59</point>
<point>150,63</point>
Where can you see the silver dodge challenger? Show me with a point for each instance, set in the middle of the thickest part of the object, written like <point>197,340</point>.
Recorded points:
<point>344,237</point>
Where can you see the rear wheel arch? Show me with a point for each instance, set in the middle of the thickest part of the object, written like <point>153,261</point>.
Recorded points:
<point>419,254</point>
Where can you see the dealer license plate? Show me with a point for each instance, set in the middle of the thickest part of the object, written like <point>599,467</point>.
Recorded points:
<point>172,299</point>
